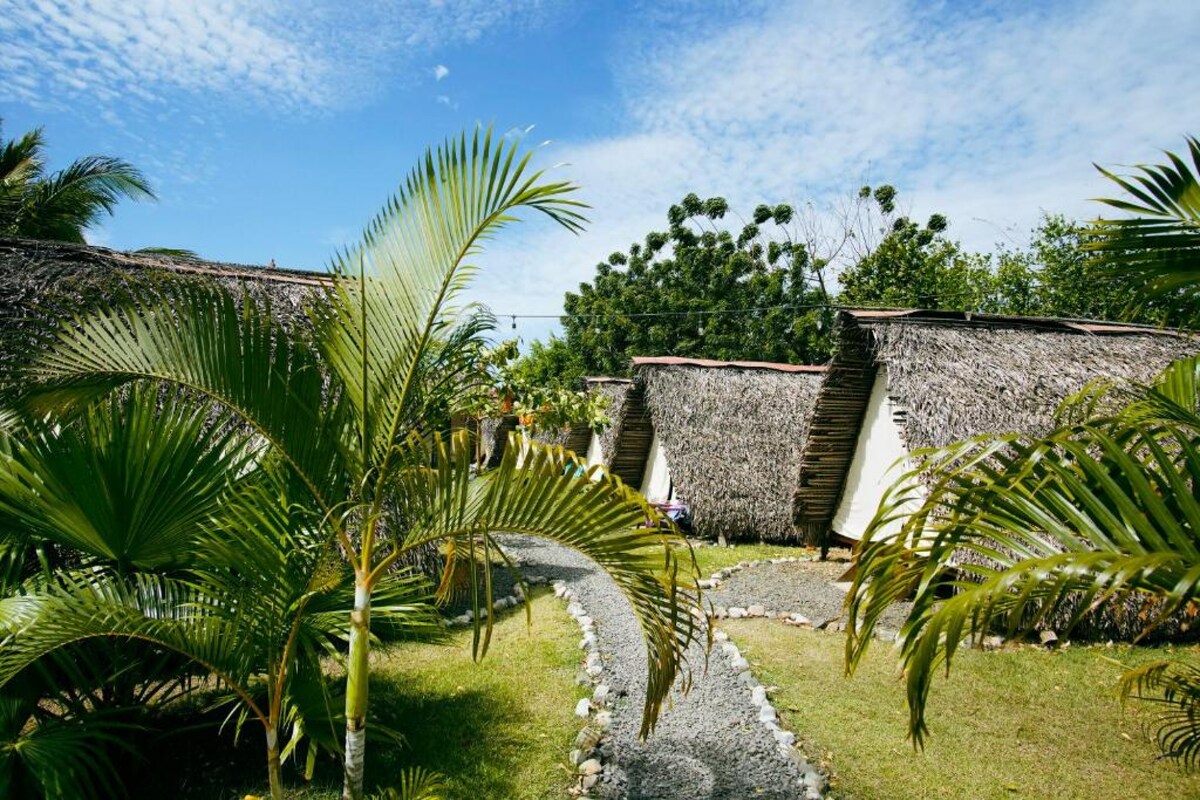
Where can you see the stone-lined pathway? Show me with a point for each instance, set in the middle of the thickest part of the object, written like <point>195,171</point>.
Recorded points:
<point>720,741</point>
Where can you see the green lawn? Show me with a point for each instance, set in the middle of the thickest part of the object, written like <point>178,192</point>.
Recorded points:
<point>501,728</point>
<point>711,558</point>
<point>1019,723</point>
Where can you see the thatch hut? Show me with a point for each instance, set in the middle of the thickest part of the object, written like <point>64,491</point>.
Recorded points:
<point>726,440</point>
<point>624,446</point>
<point>902,380</point>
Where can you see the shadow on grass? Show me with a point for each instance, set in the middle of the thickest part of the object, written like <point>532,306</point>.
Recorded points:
<point>455,734</point>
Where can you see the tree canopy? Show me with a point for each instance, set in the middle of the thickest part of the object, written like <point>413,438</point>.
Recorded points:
<point>704,289</point>
<point>684,291</point>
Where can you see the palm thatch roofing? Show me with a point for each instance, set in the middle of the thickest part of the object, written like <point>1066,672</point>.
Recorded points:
<point>625,443</point>
<point>54,280</point>
<point>574,438</point>
<point>494,433</point>
<point>955,375</point>
<point>732,432</point>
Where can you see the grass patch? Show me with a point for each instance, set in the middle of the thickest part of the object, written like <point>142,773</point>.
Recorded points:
<point>711,558</point>
<point>1016,723</point>
<point>499,728</point>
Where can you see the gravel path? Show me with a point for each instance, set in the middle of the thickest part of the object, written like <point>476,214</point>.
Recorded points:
<point>709,744</point>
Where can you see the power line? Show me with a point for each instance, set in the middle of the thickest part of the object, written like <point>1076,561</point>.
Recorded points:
<point>720,311</point>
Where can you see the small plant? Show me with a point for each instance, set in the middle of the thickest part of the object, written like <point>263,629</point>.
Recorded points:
<point>416,783</point>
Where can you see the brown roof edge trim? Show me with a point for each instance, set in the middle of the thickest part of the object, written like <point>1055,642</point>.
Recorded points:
<point>673,361</point>
<point>1087,326</point>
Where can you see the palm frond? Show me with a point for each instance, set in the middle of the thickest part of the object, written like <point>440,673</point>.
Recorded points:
<point>1173,687</point>
<point>68,202</point>
<point>1022,529</point>
<point>545,492</point>
<point>58,757</point>
<point>130,481</point>
<point>417,783</point>
<point>394,300</point>
<point>167,612</point>
<point>203,339</point>
<point>1159,247</point>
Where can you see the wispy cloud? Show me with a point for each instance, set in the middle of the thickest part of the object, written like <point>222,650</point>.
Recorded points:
<point>440,71</point>
<point>989,115</point>
<point>289,54</point>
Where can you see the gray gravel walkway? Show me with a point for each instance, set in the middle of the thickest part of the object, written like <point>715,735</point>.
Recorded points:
<point>708,744</point>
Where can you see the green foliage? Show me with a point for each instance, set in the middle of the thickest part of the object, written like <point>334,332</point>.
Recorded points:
<point>1158,248</point>
<point>685,281</point>
<point>914,266</point>
<point>537,388</point>
<point>1061,275</point>
<point>346,423</point>
<point>35,204</point>
<point>417,784</point>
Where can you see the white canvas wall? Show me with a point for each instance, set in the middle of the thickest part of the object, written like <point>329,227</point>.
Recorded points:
<point>656,485</point>
<point>594,454</point>
<point>871,472</point>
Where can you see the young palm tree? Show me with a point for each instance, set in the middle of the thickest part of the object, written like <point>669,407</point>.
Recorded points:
<point>60,206</point>
<point>354,411</point>
<point>1104,508</point>
<point>162,533</point>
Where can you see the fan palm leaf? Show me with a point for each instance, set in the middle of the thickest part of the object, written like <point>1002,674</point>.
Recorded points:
<point>130,482</point>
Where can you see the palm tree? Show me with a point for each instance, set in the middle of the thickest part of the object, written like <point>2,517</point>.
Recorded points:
<point>1104,509</point>
<point>60,206</point>
<point>161,530</point>
<point>356,410</point>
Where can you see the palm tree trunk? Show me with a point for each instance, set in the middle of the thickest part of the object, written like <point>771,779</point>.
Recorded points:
<point>357,674</point>
<point>274,773</point>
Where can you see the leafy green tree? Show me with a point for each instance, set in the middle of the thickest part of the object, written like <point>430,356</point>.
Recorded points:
<point>35,204</point>
<point>915,266</point>
<point>684,292</point>
<point>1059,276</point>
<point>551,363</point>
<point>1102,509</point>
<point>355,412</point>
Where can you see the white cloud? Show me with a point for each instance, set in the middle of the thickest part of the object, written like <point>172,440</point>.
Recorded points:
<point>289,54</point>
<point>989,115</point>
<point>440,71</point>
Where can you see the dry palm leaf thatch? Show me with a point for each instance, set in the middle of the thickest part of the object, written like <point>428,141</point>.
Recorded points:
<point>954,376</point>
<point>733,434</point>
<point>617,391</point>
<point>49,281</point>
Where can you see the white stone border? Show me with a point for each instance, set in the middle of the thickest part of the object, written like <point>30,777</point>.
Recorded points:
<point>812,782</point>
<point>793,618</point>
<point>584,758</point>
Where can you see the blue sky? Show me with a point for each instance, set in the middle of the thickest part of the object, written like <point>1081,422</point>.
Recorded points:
<point>274,129</point>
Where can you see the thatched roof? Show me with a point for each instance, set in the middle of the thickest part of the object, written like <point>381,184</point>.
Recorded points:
<point>733,434</point>
<point>493,438</point>
<point>625,443</point>
<point>50,280</point>
<point>955,375</point>
<point>574,438</point>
